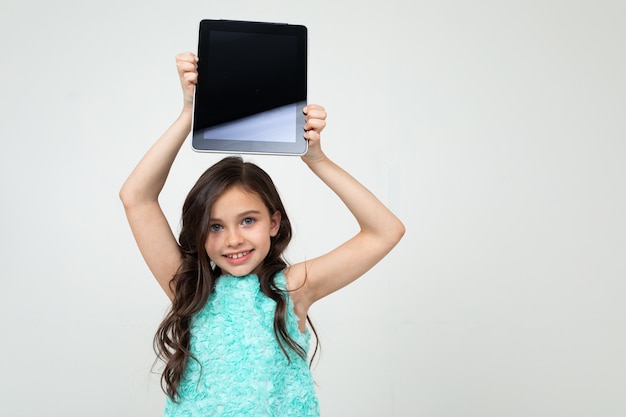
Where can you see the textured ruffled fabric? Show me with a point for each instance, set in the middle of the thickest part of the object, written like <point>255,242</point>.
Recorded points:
<point>240,369</point>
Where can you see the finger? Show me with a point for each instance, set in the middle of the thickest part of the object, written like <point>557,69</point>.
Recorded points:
<point>191,77</point>
<point>312,136</point>
<point>186,66</point>
<point>186,62</point>
<point>316,115</point>
<point>311,107</point>
<point>314,111</point>
<point>315,124</point>
<point>187,56</point>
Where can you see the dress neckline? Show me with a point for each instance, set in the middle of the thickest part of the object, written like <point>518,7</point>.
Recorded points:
<point>239,277</point>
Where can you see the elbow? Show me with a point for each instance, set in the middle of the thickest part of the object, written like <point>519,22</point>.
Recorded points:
<point>389,233</point>
<point>398,231</point>
<point>124,195</point>
<point>394,231</point>
<point>133,196</point>
<point>127,196</point>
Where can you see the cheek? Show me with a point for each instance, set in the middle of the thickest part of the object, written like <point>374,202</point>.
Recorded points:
<point>209,245</point>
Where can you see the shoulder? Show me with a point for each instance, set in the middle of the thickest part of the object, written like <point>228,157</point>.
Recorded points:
<point>296,285</point>
<point>294,277</point>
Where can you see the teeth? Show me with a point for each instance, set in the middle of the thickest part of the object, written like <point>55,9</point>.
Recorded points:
<point>238,255</point>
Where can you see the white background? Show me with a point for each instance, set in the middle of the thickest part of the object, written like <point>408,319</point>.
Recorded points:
<point>494,129</point>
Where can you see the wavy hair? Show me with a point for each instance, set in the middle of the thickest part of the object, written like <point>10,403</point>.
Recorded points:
<point>194,281</point>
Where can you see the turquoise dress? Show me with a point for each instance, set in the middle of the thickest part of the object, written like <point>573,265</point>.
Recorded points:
<point>242,371</point>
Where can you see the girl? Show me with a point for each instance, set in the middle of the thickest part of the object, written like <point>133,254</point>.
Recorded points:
<point>235,340</point>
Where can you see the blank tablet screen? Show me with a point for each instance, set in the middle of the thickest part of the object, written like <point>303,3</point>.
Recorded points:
<point>251,88</point>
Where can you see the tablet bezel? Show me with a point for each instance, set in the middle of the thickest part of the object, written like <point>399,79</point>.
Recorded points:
<point>299,145</point>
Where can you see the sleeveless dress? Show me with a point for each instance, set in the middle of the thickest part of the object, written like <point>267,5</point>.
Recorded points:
<point>242,371</point>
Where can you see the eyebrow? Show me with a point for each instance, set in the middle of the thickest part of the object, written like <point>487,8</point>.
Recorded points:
<point>240,215</point>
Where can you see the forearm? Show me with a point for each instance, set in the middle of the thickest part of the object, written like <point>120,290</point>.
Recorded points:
<point>147,179</point>
<point>371,214</point>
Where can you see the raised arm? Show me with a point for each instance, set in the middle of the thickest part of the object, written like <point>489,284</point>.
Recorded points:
<point>140,192</point>
<point>380,229</point>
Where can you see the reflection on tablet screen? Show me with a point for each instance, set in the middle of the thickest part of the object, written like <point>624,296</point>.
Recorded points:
<point>276,125</point>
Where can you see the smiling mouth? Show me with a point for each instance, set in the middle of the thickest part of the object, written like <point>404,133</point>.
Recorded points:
<point>238,255</point>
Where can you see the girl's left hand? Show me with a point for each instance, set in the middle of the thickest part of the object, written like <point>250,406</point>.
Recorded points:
<point>315,123</point>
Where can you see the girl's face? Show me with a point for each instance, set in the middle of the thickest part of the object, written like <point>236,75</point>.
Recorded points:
<point>240,229</point>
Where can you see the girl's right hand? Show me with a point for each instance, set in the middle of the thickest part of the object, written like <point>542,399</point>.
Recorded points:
<point>187,66</point>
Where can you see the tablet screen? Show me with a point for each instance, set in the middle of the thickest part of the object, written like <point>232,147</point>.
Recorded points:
<point>251,88</point>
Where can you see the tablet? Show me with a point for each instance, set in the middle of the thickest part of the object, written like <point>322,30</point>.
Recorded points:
<point>252,87</point>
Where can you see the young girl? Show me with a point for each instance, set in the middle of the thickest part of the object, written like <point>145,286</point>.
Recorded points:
<point>235,341</point>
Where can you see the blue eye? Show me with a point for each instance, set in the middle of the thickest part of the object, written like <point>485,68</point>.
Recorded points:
<point>215,228</point>
<point>248,221</point>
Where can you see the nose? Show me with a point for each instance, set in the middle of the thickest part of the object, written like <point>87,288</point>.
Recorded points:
<point>234,238</point>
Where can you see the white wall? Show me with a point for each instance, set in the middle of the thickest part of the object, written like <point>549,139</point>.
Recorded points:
<point>495,129</point>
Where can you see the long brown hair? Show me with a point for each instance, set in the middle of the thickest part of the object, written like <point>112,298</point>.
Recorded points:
<point>194,281</point>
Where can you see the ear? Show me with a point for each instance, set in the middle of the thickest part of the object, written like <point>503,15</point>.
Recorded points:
<point>275,223</point>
